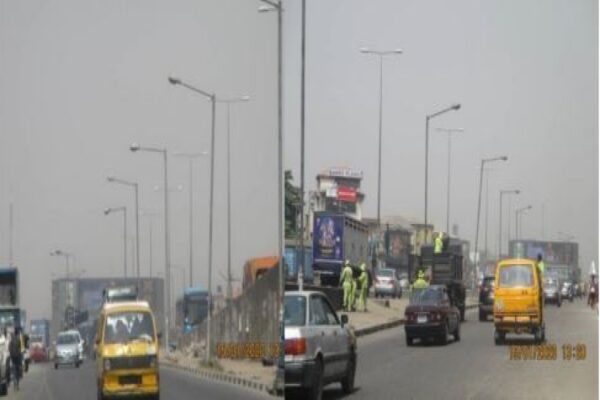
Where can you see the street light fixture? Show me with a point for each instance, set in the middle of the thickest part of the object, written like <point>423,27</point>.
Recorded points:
<point>483,162</point>
<point>213,99</point>
<point>135,147</point>
<point>380,54</point>
<point>502,193</point>
<point>449,131</point>
<point>60,253</point>
<point>124,210</point>
<point>453,107</point>
<point>518,220</point>
<point>135,187</point>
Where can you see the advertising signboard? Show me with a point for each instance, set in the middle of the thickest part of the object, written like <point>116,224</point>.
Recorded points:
<point>346,194</point>
<point>328,245</point>
<point>398,247</point>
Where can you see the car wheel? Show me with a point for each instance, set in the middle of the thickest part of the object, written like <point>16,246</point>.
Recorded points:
<point>462,314</point>
<point>348,381</point>
<point>482,316</point>
<point>444,335</point>
<point>100,395</point>
<point>409,341</point>
<point>498,337</point>
<point>55,366</point>
<point>315,392</point>
<point>558,303</point>
<point>457,333</point>
<point>3,389</point>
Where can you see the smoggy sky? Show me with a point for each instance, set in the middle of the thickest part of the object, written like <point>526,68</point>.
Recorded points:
<point>80,81</point>
<point>525,72</point>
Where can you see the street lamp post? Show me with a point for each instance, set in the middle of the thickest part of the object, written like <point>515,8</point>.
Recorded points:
<point>449,131</point>
<point>66,256</point>
<point>518,220</point>
<point>272,5</point>
<point>134,148</point>
<point>454,107</point>
<point>502,193</point>
<point>213,99</point>
<point>483,161</point>
<point>135,187</point>
<point>380,54</point>
<point>191,157</point>
<point>124,209</point>
<point>228,102</point>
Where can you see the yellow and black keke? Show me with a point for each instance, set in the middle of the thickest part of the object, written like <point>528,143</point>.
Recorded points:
<point>518,300</point>
<point>127,351</point>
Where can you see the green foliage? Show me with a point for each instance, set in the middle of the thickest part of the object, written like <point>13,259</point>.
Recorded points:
<point>292,206</point>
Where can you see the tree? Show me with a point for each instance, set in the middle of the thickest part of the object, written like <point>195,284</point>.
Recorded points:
<point>292,206</point>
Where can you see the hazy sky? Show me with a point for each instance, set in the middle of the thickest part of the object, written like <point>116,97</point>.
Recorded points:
<point>525,72</point>
<point>80,81</point>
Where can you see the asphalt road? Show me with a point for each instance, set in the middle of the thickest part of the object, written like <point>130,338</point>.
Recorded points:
<point>475,368</point>
<point>43,382</point>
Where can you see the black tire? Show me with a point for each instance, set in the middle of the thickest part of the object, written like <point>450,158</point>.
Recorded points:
<point>457,333</point>
<point>499,337</point>
<point>482,316</point>
<point>55,366</point>
<point>3,389</point>
<point>444,336</point>
<point>348,381</point>
<point>77,364</point>
<point>315,392</point>
<point>558,303</point>
<point>100,396</point>
<point>462,314</point>
<point>409,341</point>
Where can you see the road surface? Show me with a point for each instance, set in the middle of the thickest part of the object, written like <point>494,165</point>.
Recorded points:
<point>43,382</point>
<point>475,368</point>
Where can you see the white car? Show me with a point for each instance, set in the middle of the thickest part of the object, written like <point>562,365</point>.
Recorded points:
<point>319,347</point>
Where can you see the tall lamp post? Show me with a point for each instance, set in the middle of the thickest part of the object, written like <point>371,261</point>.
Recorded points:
<point>229,102</point>
<point>380,54</point>
<point>276,5</point>
<point>67,256</point>
<point>454,107</point>
<point>213,99</point>
<point>135,147</point>
<point>135,187</point>
<point>449,131</point>
<point>191,157</point>
<point>483,162</point>
<point>518,213</point>
<point>124,210</point>
<point>502,193</point>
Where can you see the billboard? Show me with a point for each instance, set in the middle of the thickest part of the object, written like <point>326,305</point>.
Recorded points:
<point>347,194</point>
<point>565,253</point>
<point>328,244</point>
<point>397,243</point>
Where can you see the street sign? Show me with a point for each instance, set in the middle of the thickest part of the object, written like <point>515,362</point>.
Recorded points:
<point>346,194</point>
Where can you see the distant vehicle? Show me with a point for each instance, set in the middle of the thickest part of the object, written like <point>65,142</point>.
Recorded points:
<point>567,290</point>
<point>552,293</point>
<point>404,282</point>
<point>386,284</point>
<point>486,298</point>
<point>39,331</point>
<point>337,238</point>
<point>127,351</point>
<point>37,350</point>
<point>255,267</point>
<point>431,314</point>
<point>67,349</point>
<point>518,300</point>
<point>319,348</point>
<point>191,309</point>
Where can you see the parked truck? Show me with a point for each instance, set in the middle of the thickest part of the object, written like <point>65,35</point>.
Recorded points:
<point>10,318</point>
<point>445,268</point>
<point>337,238</point>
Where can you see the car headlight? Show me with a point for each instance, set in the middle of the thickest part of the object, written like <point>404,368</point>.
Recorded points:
<point>107,364</point>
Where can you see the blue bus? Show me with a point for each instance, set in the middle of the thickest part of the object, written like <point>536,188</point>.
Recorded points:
<point>192,309</point>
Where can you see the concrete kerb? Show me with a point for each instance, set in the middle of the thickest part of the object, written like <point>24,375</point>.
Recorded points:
<point>224,377</point>
<point>391,324</point>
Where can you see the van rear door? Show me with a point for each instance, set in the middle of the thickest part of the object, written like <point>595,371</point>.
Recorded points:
<point>516,291</point>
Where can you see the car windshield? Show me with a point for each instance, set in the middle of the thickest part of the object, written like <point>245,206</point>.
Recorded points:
<point>387,273</point>
<point>516,276</point>
<point>294,313</point>
<point>67,338</point>
<point>122,327</point>
<point>426,296</point>
<point>551,283</point>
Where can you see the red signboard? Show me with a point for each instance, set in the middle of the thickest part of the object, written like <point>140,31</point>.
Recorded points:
<point>346,194</point>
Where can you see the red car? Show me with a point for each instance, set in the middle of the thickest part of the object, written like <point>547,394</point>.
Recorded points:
<point>37,352</point>
<point>430,314</point>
